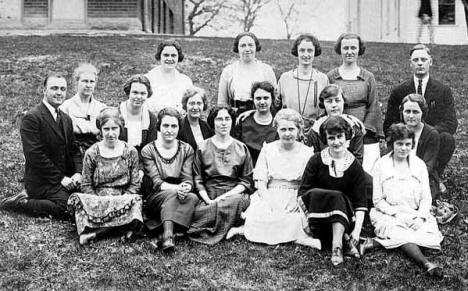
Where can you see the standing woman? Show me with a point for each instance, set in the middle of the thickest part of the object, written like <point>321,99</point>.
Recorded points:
<point>167,83</point>
<point>168,163</point>
<point>360,89</point>
<point>402,201</point>
<point>332,192</point>
<point>257,128</point>
<point>299,88</point>
<point>110,185</point>
<point>83,108</point>
<point>193,130</point>
<point>237,78</point>
<point>140,123</point>
<point>413,110</point>
<point>223,179</point>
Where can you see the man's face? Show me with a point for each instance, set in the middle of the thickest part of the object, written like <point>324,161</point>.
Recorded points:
<point>55,91</point>
<point>421,61</point>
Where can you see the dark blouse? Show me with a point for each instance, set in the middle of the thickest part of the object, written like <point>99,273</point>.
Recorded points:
<point>186,134</point>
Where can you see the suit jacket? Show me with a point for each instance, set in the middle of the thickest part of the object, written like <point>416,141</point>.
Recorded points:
<point>428,150</point>
<point>186,135</point>
<point>49,150</point>
<point>441,114</point>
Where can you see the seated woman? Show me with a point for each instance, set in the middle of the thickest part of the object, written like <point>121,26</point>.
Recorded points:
<point>193,130</point>
<point>140,123</point>
<point>402,201</point>
<point>167,83</point>
<point>168,164</point>
<point>332,100</point>
<point>413,110</point>
<point>83,108</point>
<point>273,216</point>
<point>223,178</point>
<point>237,78</point>
<point>257,128</point>
<point>332,192</point>
<point>110,184</point>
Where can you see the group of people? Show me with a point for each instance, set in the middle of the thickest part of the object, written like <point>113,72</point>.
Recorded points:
<point>296,160</point>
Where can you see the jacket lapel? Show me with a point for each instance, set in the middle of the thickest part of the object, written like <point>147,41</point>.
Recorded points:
<point>47,116</point>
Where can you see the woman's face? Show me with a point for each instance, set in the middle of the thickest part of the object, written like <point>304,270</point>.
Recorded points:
<point>412,113</point>
<point>287,131</point>
<point>169,128</point>
<point>349,50</point>
<point>86,84</point>
<point>262,100</point>
<point>110,131</point>
<point>195,106</point>
<point>336,142</point>
<point>247,49</point>
<point>334,105</point>
<point>222,123</point>
<point>402,148</point>
<point>305,52</point>
<point>138,95</point>
<point>169,57</point>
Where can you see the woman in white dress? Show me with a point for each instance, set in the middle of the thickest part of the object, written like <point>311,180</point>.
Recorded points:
<point>402,200</point>
<point>167,83</point>
<point>274,216</point>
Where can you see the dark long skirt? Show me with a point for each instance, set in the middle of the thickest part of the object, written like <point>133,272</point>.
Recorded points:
<point>211,223</point>
<point>324,207</point>
<point>165,206</point>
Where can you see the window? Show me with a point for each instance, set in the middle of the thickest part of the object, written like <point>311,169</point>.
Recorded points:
<point>446,12</point>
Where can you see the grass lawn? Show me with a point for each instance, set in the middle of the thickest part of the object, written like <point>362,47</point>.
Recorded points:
<point>45,254</point>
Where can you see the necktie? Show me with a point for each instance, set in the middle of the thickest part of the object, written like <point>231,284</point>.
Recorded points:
<point>57,119</point>
<point>420,87</point>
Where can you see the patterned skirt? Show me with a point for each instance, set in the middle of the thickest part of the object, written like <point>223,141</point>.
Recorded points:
<point>210,223</point>
<point>93,212</point>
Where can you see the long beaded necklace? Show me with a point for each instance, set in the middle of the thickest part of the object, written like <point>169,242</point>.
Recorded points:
<point>299,92</point>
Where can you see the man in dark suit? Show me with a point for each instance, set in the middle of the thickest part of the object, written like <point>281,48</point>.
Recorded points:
<point>441,114</point>
<point>53,163</point>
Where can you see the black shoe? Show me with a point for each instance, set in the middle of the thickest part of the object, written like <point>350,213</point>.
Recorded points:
<point>14,202</point>
<point>168,244</point>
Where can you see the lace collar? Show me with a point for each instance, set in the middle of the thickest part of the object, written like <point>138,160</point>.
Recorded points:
<point>336,168</point>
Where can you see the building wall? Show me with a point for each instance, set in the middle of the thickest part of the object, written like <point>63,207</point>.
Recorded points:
<point>10,13</point>
<point>71,14</point>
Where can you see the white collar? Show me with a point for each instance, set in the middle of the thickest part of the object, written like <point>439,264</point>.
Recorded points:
<point>51,108</point>
<point>424,83</point>
<point>145,115</point>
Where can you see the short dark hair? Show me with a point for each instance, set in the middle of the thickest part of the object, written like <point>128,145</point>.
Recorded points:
<point>169,42</point>
<point>214,112</point>
<point>137,79</point>
<point>107,114</point>
<point>168,111</point>
<point>419,99</point>
<point>362,44</point>
<point>331,90</point>
<point>235,47</point>
<point>334,125</point>
<point>306,37</point>
<point>192,91</point>
<point>398,131</point>
<point>420,46</point>
<point>264,85</point>
<point>57,75</point>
